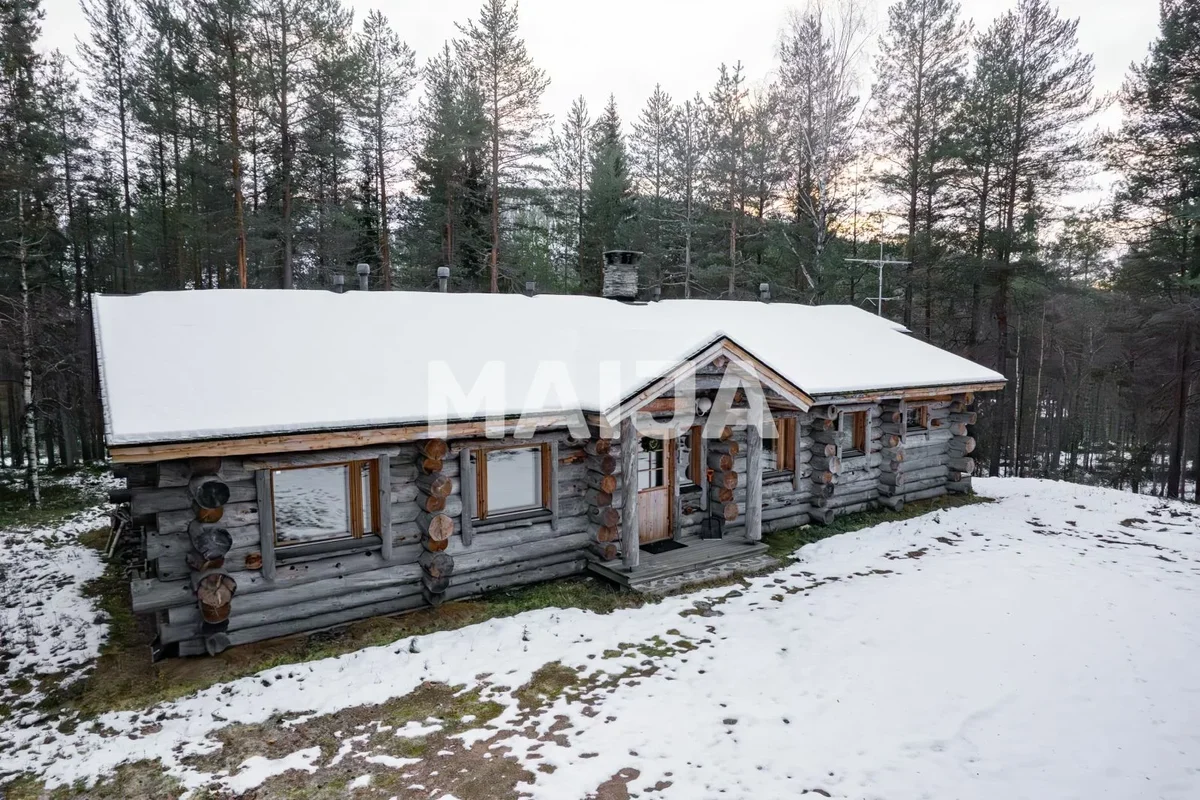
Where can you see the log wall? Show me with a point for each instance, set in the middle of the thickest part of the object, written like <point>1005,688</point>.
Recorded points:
<point>430,559</point>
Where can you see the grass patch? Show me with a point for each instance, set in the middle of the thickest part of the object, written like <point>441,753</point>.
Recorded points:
<point>784,544</point>
<point>140,780</point>
<point>58,501</point>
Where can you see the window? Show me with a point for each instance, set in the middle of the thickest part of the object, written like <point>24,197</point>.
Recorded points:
<point>916,418</point>
<point>324,503</point>
<point>855,423</point>
<point>511,480</point>
<point>652,463</point>
<point>691,454</point>
<point>779,451</point>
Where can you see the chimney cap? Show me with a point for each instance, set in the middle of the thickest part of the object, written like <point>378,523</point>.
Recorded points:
<point>622,256</point>
<point>364,269</point>
<point>443,272</point>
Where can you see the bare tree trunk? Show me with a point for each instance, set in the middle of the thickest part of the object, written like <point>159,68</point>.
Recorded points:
<point>235,147</point>
<point>32,478</point>
<point>494,258</point>
<point>1037,391</point>
<point>1183,359</point>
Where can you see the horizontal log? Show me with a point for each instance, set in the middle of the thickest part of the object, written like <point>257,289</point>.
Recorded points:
<point>895,503</point>
<point>605,534</point>
<point>823,412</point>
<point>892,478</point>
<point>210,542</point>
<point>726,511</point>
<point>483,584</point>
<point>822,516</point>
<point>961,446</point>
<point>605,517</point>
<point>145,500</point>
<point>408,512</point>
<point>823,477</point>
<point>822,450</point>
<point>430,503</point>
<point>727,480</point>
<point>961,464</point>
<point>839,438</point>
<point>601,482</point>
<point>595,497</point>
<point>720,494</point>
<point>433,448</point>
<point>178,473</point>
<point>233,515</point>
<point>823,464</point>
<point>957,429</point>
<point>959,487</point>
<point>925,494</point>
<point>720,461</point>
<point>603,551</point>
<point>730,447</point>
<point>430,465</point>
<point>434,484</point>
<point>934,471</point>
<point>436,527</point>
<point>438,565</point>
<point>605,465</point>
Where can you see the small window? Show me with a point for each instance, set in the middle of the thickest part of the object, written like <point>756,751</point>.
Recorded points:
<point>324,503</point>
<point>511,480</point>
<point>916,418</point>
<point>652,463</point>
<point>855,423</point>
<point>690,453</point>
<point>779,451</point>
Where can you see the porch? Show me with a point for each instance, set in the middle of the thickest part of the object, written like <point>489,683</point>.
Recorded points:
<point>696,561</point>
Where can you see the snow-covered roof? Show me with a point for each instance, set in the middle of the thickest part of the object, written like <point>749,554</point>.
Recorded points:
<point>191,365</point>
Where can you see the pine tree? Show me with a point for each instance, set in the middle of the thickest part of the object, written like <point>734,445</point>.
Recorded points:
<point>919,78</point>
<point>389,72</point>
<point>685,165</point>
<point>649,153</point>
<point>511,86</point>
<point>67,123</point>
<point>570,152</point>
<point>107,57</point>
<point>725,128</point>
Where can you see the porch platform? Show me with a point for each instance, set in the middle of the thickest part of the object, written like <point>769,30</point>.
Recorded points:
<point>700,560</point>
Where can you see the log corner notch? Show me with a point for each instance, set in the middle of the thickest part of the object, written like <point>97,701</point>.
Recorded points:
<point>433,487</point>
<point>722,505</point>
<point>824,464</point>
<point>961,445</point>
<point>206,557</point>
<point>604,519</point>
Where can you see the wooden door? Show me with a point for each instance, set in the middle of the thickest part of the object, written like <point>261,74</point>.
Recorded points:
<point>656,475</point>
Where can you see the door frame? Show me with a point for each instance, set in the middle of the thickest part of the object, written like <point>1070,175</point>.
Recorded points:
<point>670,454</point>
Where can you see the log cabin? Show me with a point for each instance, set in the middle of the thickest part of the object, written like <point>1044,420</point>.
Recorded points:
<point>370,453</point>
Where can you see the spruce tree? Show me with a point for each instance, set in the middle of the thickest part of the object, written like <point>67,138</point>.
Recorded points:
<point>650,147</point>
<point>570,152</point>
<point>609,196</point>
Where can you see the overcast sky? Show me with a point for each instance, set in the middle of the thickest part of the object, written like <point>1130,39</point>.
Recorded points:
<point>626,46</point>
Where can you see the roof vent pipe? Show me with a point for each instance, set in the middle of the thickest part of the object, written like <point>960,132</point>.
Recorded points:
<point>530,288</point>
<point>621,274</point>
<point>443,279</point>
<point>364,277</point>
<point>339,283</point>
<point>764,292</point>
<point>657,293</point>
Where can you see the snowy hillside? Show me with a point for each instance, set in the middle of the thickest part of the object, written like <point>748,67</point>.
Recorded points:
<point>1043,646</point>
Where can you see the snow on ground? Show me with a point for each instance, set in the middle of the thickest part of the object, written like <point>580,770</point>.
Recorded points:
<point>1041,646</point>
<point>47,627</point>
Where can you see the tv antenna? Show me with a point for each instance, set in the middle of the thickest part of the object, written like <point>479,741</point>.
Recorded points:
<point>880,263</point>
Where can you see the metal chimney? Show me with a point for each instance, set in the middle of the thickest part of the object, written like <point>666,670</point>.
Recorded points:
<point>764,292</point>
<point>621,274</point>
<point>443,274</point>
<point>339,283</point>
<point>530,288</point>
<point>364,277</point>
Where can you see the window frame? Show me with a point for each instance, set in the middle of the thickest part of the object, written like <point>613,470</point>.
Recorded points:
<point>354,500</point>
<point>858,433</point>
<point>923,414</point>
<point>784,447</point>
<point>480,516</point>
<point>695,463</point>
